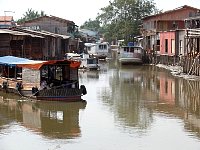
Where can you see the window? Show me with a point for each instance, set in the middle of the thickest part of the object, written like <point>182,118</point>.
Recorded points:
<point>172,46</point>
<point>166,45</point>
<point>102,47</point>
<point>57,30</point>
<point>166,87</point>
<point>181,47</point>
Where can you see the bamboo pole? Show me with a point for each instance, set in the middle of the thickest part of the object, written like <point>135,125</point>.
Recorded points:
<point>193,64</point>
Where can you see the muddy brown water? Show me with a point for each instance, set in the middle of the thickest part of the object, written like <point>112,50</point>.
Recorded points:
<point>128,107</point>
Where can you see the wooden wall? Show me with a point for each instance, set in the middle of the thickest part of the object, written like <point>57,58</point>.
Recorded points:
<point>21,46</point>
<point>49,25</point>
<point>4,44</point>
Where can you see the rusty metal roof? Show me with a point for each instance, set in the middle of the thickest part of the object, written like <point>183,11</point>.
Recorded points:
<point>46,33</point>
<point>170,11</point>
<point>6,18</point>
<point>56,35</point>
<point>50,17</point>
<point>7,31</point>
<point>40,33</point>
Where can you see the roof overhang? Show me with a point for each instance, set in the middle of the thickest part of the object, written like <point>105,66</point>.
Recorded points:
<point>18,33</point>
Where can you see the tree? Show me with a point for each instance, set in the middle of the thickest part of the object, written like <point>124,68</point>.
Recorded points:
<point>121,19</point>
<point>30,14</point>
<point>93,25</point>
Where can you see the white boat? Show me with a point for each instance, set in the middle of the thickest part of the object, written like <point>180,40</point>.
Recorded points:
<point>87,61</point>
<point>99,49</point>
<point>131,55</point>
<point>73,56</point>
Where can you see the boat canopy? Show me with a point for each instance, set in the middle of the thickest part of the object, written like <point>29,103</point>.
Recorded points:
<point>13,61</point>
<point>73,64</point>
<point>90,44</point>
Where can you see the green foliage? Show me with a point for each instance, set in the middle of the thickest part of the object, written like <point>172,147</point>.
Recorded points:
<point>30,14</point>
<point>93,25</point>
<point>122,19</point>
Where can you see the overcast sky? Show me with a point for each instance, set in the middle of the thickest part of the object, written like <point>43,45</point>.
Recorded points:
<point>78,11</point>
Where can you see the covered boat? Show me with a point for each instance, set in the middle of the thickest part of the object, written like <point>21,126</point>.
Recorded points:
<point>54,80</point>
<point>131,55</point>
<point>98,49</point>
<point>87,61</point>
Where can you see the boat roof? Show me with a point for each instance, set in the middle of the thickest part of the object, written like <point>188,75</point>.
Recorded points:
<point>90,44</point>
<point>73,54</point>
<point>133,46</point>
<point>13,61</point>
<point>34,64</point>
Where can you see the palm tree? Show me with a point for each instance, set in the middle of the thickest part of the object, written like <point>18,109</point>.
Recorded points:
<point>30,14</point>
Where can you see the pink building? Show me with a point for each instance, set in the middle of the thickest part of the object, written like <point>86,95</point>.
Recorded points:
<point>167,43</point>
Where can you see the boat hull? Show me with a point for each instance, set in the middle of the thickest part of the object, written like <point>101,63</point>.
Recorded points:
<point>130,61</point>
<point>102,57</point>
<point>62,94</point>
<point>66,95</point>
<point>131,55</point>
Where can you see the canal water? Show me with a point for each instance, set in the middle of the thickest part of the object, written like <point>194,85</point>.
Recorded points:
<point>127,107</point>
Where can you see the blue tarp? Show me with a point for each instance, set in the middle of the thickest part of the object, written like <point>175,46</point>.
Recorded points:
<point>13,61</point>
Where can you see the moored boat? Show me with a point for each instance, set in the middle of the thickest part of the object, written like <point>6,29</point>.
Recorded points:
<point>131,55</point>
<point>99,49</point>
<point>90,62</point>
<point>87,61</point>
<point>54,80</point>
<point>73,56</point>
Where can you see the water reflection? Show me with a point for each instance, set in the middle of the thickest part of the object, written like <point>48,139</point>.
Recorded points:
<point>126,86</point>
<point>189,101</point>
<point>51,119</point>
<point>93,74</point>
<point>138,92</point>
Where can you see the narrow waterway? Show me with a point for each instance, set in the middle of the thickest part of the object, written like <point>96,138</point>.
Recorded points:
<point>128,107</point>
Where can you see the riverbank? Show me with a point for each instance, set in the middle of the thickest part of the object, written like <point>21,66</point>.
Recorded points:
<point>178,72</point>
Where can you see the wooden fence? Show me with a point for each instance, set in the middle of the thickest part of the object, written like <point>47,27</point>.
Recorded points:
<point>191,65</point>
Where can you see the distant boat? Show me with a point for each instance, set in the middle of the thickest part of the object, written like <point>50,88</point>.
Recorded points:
<point>98,49</point>
<point>73,56</point>
<point>131,55</point>
<point>87,61</point>
<point>54,80</point>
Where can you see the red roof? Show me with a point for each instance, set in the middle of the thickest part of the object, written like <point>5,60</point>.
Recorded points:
<point>170,11</point>
<point>6,18</point>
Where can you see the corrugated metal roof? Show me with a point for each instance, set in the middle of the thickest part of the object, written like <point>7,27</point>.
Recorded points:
<point>46,33</point>
<point>56,35</point>
<point>170,11</point>
<point>50,17</point>
<point>7,31</point>
<point>6,18</point>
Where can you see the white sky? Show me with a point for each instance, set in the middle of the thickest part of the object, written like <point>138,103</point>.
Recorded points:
<point>77,11</point>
